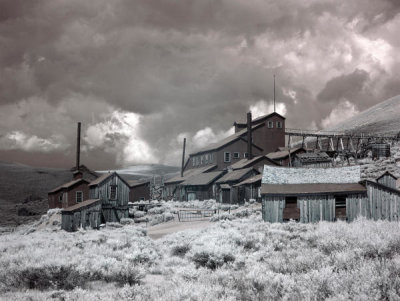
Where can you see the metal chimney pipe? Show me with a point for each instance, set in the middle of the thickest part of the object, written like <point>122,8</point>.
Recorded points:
<point>249,136</point>
<point>183,156</point>
<point>78,146</point>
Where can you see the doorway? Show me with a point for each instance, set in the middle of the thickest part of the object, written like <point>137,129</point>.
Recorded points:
<point>291,211</point>
<point>340,208</point>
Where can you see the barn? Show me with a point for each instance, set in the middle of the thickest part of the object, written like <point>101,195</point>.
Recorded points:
<point>113,192</point>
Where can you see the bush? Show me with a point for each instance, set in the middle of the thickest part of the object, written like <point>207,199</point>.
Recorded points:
<point>180,250</point>
<point>211,260</point>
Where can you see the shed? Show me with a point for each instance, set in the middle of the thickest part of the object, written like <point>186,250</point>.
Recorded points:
<point>82,215</point>
<point>387,179</point>
<point>113,192</point>
<point>249,189</point>
<point>199,187</point>
<point>285,156</point>
<point>139,190</point>
<point>312,159</point>
<point>310,194</point>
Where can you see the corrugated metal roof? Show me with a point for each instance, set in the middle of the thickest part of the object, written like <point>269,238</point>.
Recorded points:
<point>235,175</point>
<point>226,141</point>
<point>68,185</point>
<point>189,173</point>
<point>294,175</point>
<point>298,189</point>
<point>202,179</point>
<point>282,154</point>
<point>251,180</point>
<point>78,206</point>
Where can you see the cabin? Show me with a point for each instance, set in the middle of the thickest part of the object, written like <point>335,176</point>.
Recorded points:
<point>70,193</point>
<point>255,138</point>
<point>249,189</point>
<point>226,193</point>
<point>285,156</point>
<point>84,215</point>
<point>310,194</point>
<point>113,192</point>
<point>312,159</point>
<point>199,187</point>
<point>139,191</point>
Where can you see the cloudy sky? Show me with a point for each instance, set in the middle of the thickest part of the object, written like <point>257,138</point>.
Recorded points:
<point>141,75</point>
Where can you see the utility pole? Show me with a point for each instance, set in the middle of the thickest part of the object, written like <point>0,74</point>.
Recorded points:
<point>274,95</point>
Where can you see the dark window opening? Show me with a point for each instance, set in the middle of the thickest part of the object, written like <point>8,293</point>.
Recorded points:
<point>340,207</point>
<point>113,192</point>
<point>291,211</point>
<point>236,155</point>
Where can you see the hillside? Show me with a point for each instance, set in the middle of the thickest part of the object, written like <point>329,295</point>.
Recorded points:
<point>382,118</point>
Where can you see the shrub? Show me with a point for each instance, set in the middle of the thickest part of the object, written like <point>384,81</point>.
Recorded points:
<point>180,250</point>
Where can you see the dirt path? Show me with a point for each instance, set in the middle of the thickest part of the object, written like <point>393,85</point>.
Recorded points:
<point>160,230</point>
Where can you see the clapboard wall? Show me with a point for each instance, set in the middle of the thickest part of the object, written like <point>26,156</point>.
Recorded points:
<point>84,217</point>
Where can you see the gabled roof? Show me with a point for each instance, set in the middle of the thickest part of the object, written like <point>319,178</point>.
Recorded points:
<point>228,140</point>
<point>284,153</point>
<point>189,173</point>
<point>235,175</point>
<point>316,188</point>
<point>68,185</point>
<point>81,205</point>
<point>202,179</point>
<point>387,173</point>
<point>134,183</point>
<point>251,180</point>
<point>248,163</point>
<point>105,176</point>
<point>259,119</point>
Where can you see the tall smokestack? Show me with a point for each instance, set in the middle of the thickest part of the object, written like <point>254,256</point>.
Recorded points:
<point>183,156</point>
<point>78,145</point>
<point>249,142</point>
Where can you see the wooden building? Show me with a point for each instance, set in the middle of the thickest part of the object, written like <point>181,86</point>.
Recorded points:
<point>83,215</point>
<point>309,194</point>
<point>257,163</point>
<point>113,192</point>
<point>284,156</point>
<point>267,134</point>
<point>139,191</point>
<point>249,189</point>
<point>199,187</point>
<point>69,194</point>
<point>312,159</point>
<point>388,179</point>
<point>226,192</point>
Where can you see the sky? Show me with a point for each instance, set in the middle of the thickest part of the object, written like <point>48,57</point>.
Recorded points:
<point>141,75</point>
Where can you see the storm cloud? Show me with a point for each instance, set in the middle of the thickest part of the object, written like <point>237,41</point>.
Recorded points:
<point>141,75</point>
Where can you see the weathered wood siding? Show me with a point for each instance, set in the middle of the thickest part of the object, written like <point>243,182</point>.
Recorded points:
<point>388,181</point>
<point>316,208</point>
<point>88,217</point>
<point>272,208</point>
<point>112,210</point>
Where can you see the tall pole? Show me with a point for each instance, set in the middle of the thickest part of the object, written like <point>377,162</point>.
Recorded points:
<point>249,135</point>
<point>183,156</point>
<point>78,146</point>
<point>274,95</point>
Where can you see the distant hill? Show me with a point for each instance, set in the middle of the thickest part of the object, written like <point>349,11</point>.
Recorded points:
<point>146,171</point>
<point>383,118</point>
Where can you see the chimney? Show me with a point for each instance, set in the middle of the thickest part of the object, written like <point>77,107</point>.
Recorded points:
<point>78,146</point>
<point>183,157</point>
<point>249,136</point>
<point>77,175</point>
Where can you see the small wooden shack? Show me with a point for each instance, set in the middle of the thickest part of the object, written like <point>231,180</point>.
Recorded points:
<point>285,156</point>
<point>312,159</point>
<point>113,192</point>
<point>83,215</point>
<point>139,191</point>
<point>249,189</point>
<point>310,194</point>
<point>199,187</point>
<point>226,192</point>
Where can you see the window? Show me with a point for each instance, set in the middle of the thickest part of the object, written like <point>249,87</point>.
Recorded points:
<point>193,161</point>
<point>245,155</point>
<point>60,198</point>
<point>202,160</point>
<point>211,158</point>
<point>227,157</point>
<point>113,192</point>
<point>270,124</point>
<point>79,196</point>
<point>236,155</point>
<point>278,124</point>
<point>142,199</point>
<point>206,158</point>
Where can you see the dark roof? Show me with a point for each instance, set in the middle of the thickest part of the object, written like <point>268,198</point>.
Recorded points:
<point>235,175</point>
<point>68,185</point>
<point>383,187</point>
<point>202,179</point>
<point>106,176</point>
<point>299,189</point>
<point>312,157</point>
<point>387,174</point>
<point>82,205</point>
<point>228,140</point>
<point>134,183</point>
<point>247,163</point>
<point>189,173</point>
<point>251,180</point>
<point>87,173</point>
<point>259,119</point>
<point>283,153</point>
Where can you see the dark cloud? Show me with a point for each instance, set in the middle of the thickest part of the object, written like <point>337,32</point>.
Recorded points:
<point>183,66</point>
